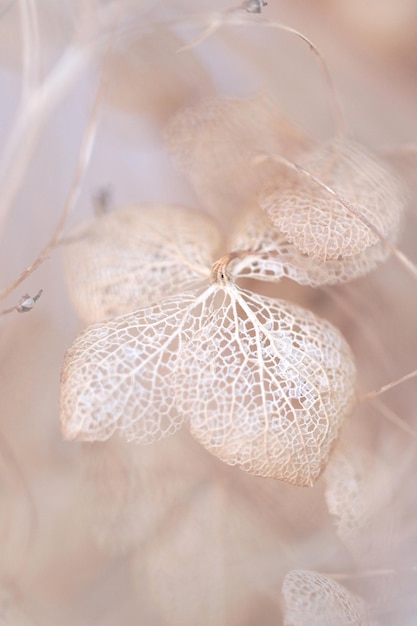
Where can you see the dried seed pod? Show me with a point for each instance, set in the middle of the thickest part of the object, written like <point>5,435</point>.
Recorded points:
<point>316,222</point>
<point>315,600</point>
<point>136,256</point>
<point>275,257</point>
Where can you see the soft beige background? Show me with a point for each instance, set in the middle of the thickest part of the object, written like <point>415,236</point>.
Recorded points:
<point>166,535</point>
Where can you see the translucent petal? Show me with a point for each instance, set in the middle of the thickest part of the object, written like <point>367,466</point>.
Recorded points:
<point>276,257</point>
<point>266,385</point>
<point>314,600</point>
<point>149,59</point>
<point>134,257</point>
<point>359,493</point>
<point>315,221</point>
<point>214,143</point>
<point>117,375</point>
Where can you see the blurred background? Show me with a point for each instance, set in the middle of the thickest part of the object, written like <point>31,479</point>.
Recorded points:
<point>167,535</point>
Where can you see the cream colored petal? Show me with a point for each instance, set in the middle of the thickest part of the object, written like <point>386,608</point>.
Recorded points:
<point>311,599</point>
<point>136,256</point>
<point>315,222</point>
<point>275,257</point>
<point>265,385</point>
<point>117,375</point>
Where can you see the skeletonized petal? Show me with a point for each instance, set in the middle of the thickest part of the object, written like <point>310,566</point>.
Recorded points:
<point>266,385</point>
<point>320,226</point>
<point>359,494</point>
<point>214,143</point>
<point>276,257</point>
<point>312,599</point>
<point>134,257</point>
<point>117,375</point>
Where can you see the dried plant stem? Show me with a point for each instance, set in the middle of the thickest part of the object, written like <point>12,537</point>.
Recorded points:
<point>405,262</point>
<point>6,7</point>
<point>30,47</point>
<point>82,165</point>
<point>388,386</point>
<point>407,148</point>
<point>370,573</point>
<point>30,119</point>
<point>219,273</point>
<point>392,417</point>
<point>84,158</point>
<point>236,17</point>
<point>37,107</point>
<point>7,311</point>
<point>26,303</point>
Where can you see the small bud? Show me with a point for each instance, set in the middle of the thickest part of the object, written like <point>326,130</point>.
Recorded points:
<point>254,6</point>
<point>26,302</point>
<point>102,201</point>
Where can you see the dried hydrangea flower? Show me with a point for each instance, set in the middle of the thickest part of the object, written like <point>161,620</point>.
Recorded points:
<point>265,385</point>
